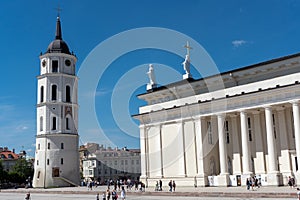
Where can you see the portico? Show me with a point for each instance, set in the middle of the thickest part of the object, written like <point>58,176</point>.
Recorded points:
<point>250,127</point>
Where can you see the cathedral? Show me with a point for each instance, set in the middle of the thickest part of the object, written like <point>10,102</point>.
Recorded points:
<point>56,156</point>
<point>222,129</point>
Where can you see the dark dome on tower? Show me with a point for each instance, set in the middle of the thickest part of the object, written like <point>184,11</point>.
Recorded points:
<point>58,45</point>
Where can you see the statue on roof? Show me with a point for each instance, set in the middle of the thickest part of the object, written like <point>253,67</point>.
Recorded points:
<point>151,75</point>
<point>186,62</point>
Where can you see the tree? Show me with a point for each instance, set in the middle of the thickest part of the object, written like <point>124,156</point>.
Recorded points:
<point>3,173</point>
<point>21,171</point>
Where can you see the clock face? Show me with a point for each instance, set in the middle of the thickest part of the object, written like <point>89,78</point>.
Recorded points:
<point>44,63</point>
<point>68,62</point>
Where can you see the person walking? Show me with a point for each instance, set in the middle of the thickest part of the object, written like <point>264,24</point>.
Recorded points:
<point>170,186</point>
<point>123,193</point>
<point>114,195</point>
<point>174,186</point>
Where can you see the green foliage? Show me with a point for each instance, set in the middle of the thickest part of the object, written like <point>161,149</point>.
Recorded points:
<point>3,173</point>
<point>21,171</point>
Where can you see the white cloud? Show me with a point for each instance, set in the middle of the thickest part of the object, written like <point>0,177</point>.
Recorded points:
<point>238,43</point>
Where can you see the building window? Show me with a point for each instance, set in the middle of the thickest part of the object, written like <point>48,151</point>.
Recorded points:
<point>61,161</point>
<point>42,94</point>
<point>249,129</point>
<point>41,123</point>
<point>132,162</point>
<point>137,162</point>
<point>116,162</point>
<point>122,162</point>
<point>209,132</point>
<point>48,161</point>
<point>54,92</point>
<point>274,125</point>
<point>53,123</point>
<point>126,162</point>
<point>68,93</point>
<point>37,162</point>
<point>227,132</point>
<point>54,66</point>
<point>67,123</point>
<point>48,145</point>
<point>38,176</point>
<point>39,146</point>
<point>62,145</point>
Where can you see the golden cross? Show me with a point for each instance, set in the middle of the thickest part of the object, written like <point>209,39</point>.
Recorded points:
<point>188,48</point>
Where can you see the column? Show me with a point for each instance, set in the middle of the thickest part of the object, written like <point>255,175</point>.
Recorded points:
<point>259,161</point>
<point>245,144</point>
<point>296,116</point>
<point>222,145</point>
<point>223,179</point>
<point>274,178</point>
<point>284,158</point>
<point>236,160</point>
<point>270,141</point>
<point>161,153</point>
<point>201,179</point>
<point>143,152</point>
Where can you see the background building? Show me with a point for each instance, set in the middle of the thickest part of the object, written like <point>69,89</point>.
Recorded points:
<point>109,163</point>
<point>9,158</point>
<point>222,129</point>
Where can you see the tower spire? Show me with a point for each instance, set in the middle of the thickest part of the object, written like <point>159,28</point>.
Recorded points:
<point>58,34</point>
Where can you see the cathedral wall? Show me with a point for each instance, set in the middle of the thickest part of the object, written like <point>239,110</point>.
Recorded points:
<point>172,146</point>
<point>190,152</point>
<point>154,151</point>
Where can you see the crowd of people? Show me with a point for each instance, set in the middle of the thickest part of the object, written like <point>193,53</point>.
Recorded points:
<point>253,182</point>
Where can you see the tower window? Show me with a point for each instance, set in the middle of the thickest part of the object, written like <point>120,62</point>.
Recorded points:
<point>62,145</point>
<point>41,123</point>
<point>37,162</point>
<point>67,123</point>
<point>39,146</point>
<point>42,94</point>
<point>48,145</point>
<point>62,161</point>
<point>48,161</point>
<point>54,66</point>
<point>54,123</point>
<point>54,92</point>
<point>68,93</point>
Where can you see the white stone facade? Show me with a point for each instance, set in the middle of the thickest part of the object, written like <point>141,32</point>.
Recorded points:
<point>219,130</point>
<point>57,156</point>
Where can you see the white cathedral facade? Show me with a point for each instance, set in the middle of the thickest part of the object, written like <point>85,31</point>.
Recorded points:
<point>56,156</point>
<point>222,129</point>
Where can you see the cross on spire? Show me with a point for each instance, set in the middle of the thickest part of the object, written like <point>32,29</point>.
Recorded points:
<point>58,10</point>
<point>188,48</point>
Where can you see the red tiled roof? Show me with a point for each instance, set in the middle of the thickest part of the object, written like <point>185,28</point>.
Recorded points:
<point>8,155</point>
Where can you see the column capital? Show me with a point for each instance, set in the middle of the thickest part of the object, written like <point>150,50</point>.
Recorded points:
<point>295,102</point>
<point>243,111</point>
<point>268,107</point>
<point>222,115</point>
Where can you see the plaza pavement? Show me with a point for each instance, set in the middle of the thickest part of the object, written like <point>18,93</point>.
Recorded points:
<point>283,192</point>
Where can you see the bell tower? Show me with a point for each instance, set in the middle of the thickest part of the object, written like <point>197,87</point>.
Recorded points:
<point>56,156</point>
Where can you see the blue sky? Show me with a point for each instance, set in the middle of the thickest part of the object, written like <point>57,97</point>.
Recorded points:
<point>233,33</point>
